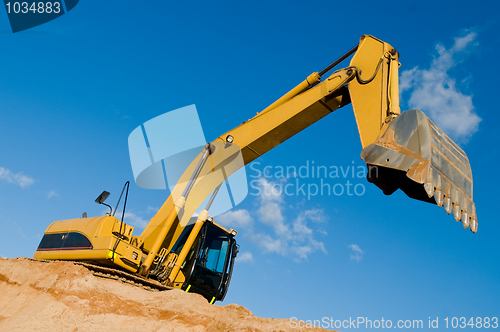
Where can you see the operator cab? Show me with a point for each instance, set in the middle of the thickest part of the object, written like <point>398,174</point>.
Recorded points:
<point>209,264</point>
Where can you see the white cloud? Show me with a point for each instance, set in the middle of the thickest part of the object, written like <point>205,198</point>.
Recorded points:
<point>357,253</point>
<point>271,204</point>
<point>152,209</point>
<point>51,194</point>
<point>269,191</point>
<point>274,233</point>
<point>270,212</point>
<point>356,248</point>
<point>316,215</point>
<point>436,93</point>
<point>235,219</point>
<point>16,178</point>
<point>300,227</point>
<point>135,220</point>
<point>131,218</point>
<point>269,244</point>
<point>244,257</point>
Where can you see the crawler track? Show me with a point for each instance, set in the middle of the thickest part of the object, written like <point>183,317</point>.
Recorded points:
<point>110,273</point>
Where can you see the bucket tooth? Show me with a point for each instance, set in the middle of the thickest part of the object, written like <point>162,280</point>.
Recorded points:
<point>429,188</point>
<point>465,219</point>
<point>447,205</point>
<point>456,212</point>
<point>455,197</point>
<point>429,185</point>
<point>438,197</point>
<point>473,225</point>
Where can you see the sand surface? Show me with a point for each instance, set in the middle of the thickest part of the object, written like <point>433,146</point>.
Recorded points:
<point>62,296</point>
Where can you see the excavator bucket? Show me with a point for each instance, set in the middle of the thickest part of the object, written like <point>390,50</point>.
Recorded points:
<point>414,155</point>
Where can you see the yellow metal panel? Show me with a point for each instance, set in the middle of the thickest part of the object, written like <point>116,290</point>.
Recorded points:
<point>369,101</point>
<point>94,254</point>
<point>99,230</point>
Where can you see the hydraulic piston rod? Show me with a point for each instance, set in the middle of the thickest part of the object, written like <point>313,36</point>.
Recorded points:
<point>178,206</point>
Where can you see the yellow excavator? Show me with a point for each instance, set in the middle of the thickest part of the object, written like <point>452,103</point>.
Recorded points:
<point>402,150</point>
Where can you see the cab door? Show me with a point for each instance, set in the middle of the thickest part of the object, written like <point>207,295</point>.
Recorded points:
<point>211,267</point>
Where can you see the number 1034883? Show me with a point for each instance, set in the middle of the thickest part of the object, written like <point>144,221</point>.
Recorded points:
<point>477,322</point>
<point>33,7</point>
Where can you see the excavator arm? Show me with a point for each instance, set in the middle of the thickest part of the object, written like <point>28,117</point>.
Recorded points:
<point>371,84</point>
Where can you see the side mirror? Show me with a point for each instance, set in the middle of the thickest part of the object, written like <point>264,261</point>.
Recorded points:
<point>102,197</point>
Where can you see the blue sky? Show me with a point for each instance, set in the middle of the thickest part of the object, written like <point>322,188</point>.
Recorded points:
<point>72,90</point>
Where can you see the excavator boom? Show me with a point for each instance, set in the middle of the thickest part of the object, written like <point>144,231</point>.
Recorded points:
<point>370,83</point>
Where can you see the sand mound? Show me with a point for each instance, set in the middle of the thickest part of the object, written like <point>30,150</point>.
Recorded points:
<point>62,296</point>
